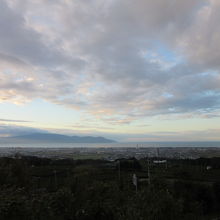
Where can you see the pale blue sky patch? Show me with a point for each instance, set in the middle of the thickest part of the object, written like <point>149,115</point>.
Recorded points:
<point>164,57</point>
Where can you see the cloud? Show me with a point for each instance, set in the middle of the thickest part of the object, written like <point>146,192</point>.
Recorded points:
<point>200,42</point>
<point>9,120</point>
<point>119,59</point>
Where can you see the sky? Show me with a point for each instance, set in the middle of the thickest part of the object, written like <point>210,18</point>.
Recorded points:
<point>143,70</point>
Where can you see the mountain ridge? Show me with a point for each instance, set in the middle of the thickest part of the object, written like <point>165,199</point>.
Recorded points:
<point>59,138</point>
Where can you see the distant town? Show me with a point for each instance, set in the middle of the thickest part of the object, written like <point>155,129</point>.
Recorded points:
<point>112,154</point>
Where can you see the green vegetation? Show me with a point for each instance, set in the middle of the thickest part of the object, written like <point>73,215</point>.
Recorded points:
<point>39,188</point>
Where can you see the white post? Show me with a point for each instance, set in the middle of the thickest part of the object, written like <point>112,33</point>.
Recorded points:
<point>135,182</point>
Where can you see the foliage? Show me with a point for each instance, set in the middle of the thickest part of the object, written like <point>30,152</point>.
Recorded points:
<point>37,189</point>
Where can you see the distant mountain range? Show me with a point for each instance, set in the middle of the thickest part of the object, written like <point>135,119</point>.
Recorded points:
<point>57,138</point>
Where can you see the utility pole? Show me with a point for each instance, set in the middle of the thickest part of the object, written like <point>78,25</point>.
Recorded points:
<point>148,170</point>
<point>55,178</point>
<point>119,171</point>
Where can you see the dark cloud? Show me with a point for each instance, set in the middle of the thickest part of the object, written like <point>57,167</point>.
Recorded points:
<point>25,43</point>
<point>9,120</point>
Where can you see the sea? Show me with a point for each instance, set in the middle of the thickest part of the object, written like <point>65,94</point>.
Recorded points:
<point>112,145</point>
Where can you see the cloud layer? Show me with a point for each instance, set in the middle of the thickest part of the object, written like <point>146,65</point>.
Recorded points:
<point>113,59</point>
